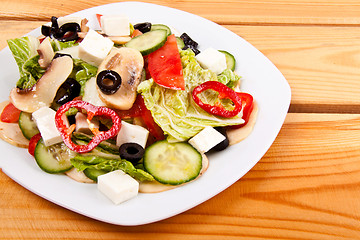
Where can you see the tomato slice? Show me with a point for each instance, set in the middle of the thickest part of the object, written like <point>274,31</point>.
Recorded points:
<point>165,66</point>
<point>10,114</point>
<point>32,144</point>
<point>151,125</point>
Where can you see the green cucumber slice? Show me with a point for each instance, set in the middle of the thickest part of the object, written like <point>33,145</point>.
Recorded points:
<point>161,27</point>
<point>93,173</point>
<point>230,60</point>
<point>27,125</point>
<point>172,163</point>
<point>54,158</point>
<point>148,42</point>
<point>180,43</point>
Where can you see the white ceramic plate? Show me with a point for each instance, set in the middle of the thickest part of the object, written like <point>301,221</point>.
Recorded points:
<point>259,77</point>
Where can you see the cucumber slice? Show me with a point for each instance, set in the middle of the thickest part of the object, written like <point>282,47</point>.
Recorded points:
<point>161,27</point>
<point>180,43</point>
<point>230,60</point>
<point>53,159</point>
<point>148,42</point>
<point>172,163</point>
<point>93,173</point>
<point>27,125</point>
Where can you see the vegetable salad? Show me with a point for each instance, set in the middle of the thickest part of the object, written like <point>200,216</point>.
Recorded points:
<point>124,106</point>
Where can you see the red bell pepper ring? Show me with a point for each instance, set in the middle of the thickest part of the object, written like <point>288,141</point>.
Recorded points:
<point>91,112</point>
<point>224,92</point>
<point>248,105</point>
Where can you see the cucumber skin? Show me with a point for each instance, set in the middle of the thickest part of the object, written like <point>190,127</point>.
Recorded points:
<point>161,27</point>
<point>42,164</point>
<point>93,173</point>
<point>139,40</point>
<point>161,180</point>
<point>24,122</point>
<point>230,60</point>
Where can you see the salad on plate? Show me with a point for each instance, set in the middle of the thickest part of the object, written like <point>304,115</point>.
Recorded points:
<point>133,107</point>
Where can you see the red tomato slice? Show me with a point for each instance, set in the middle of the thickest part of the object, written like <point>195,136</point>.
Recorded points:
<point>165,65</point>
<point>98,16</point>
<point>10,114</point>
<point>32,144</point>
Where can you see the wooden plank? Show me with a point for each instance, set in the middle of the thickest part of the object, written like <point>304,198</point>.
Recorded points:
<point>334,12</point>
<point>306,187</point>
<point>320,63</point>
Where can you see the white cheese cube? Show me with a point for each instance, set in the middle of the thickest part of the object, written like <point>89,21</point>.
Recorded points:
<point>118,186</point>
<point>94,48</point>
<point>45,121</point>
<point>206,139</point>
<point>62,20</point>
<point>91,94</point>
<point>83,125</point>
<point>73,51</point>
<point>213,60</point>
<point>132,133</point>
<point>115,25</point>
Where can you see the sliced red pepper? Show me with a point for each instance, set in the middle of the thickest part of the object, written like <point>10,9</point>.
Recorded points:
<point>10,114</point>
<point>248,105</point>
<point>165,65</point>
<point>32,144</point>
<point>91,112</point>
<point>224,92</point>
<point>151,125</point>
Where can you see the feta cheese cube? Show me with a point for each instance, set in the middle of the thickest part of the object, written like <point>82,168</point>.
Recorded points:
<point>118,186</point>
<point>94,48</point>
<point>206,139</point>
<point>115,25</point>
<point>83,125</point>
<point>213,60</point>
<point>45,121</point>
<point>132,133</point>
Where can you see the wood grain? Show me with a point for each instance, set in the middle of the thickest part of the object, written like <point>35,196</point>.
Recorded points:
<point>303,188</point>
<point>271,12</point>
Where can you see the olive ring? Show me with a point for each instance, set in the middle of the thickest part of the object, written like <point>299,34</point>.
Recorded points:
<point>104,86</point>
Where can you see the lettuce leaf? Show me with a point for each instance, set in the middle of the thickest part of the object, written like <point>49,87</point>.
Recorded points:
<point>24,50</point>
<point>175,111</point>
<point>82,162</point>
<point>82,72</point>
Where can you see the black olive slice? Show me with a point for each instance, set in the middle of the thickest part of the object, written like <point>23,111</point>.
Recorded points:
<point>67,91</point>
<point>108,81</point>
<point>68,32</point>
<point>143,27</point>
<point>189,43</point>
<point>224,144</point>
<point>57,55</point>
<point>132,152</point>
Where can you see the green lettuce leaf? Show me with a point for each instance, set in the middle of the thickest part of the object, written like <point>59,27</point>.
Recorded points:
<point>82,72</point>
<point>24,50</point>
<point>175,111</point>
<point>57,45</point>
<point>82,162</point>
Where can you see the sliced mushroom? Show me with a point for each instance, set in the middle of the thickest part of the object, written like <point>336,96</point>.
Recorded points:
<point>128,63</point>
<point>78,176</point>
<point>44,91</point>
<point>46,53</point>
<point>119,39</point>
<point>11,133</point>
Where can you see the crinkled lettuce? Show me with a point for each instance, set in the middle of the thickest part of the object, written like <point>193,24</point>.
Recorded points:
<point>24,50</point>
<point>175,111</point>
<point>82,72</point>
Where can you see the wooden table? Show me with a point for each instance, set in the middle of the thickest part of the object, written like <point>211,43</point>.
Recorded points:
<point>307,186</point>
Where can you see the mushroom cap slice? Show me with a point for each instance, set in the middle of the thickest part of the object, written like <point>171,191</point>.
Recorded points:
<point>128,63</point>
<point>44,91</point>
